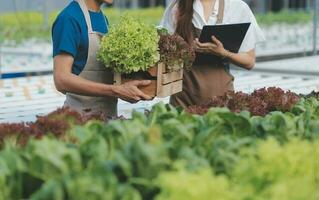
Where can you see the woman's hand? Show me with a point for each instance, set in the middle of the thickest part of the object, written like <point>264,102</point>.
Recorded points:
<point>215,48</point>
<point>245,60</point>
<point>129,91</point>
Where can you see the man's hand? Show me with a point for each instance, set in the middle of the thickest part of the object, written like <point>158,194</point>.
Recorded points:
<point>67,82</point>
<point>129,91</point>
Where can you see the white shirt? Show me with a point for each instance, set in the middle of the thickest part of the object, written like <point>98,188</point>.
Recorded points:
<point>236,11</point>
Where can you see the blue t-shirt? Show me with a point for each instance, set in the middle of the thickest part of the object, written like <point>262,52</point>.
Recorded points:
<point>70,34</point>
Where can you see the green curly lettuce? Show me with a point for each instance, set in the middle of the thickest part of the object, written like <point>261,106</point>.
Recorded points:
<point>130,46</point>
<point>275,171</point>
<point>193,185</point>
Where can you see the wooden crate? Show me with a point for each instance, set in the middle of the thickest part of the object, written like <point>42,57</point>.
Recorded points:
<point>164,83</point>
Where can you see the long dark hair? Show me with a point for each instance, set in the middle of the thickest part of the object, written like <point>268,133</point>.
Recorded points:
<point>184,26</point>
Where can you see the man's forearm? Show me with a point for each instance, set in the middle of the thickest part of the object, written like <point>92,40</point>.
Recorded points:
<point>74,84</point>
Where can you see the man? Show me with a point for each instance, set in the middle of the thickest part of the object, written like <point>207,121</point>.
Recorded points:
<point>88,84</point>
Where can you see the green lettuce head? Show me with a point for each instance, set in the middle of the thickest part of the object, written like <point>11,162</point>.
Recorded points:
<point>130,46</point>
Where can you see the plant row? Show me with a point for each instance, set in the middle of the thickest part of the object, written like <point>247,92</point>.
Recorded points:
<point>56,124</point>
<point>259,103</point>
<point>172,154</point>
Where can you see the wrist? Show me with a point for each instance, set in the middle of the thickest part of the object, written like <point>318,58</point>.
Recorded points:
<point>226,54</point>
<point>114,90</point>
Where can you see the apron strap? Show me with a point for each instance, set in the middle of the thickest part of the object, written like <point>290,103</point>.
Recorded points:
<point>86,13</point>
<point>220,15</point>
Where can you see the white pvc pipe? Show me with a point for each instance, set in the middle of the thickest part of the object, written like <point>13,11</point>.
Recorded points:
<point>0,62</point>
<point>315,26</point>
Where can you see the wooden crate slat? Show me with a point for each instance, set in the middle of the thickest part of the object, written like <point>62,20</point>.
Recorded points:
<point>169,89</point>
<point>172,77</point>
<point>117,78</point>
<point>160,87</point>
<point>160,69</point>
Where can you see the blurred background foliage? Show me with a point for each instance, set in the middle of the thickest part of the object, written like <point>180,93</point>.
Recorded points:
<point>25,25</point>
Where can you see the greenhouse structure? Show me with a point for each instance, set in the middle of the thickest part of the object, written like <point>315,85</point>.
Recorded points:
<point>257,5</point>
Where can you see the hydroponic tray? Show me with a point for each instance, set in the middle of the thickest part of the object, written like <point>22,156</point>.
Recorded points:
<point>21,99</point>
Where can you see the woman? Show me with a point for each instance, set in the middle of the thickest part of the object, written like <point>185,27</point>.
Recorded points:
<point>87,83</point>
<point>210,75</point>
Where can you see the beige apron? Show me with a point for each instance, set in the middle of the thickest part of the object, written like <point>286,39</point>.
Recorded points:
<point>209,76</point>
<point>93,71</point>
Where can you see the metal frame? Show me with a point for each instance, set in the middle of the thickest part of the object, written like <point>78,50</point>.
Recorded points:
<point>315,26</point>
<point>45,11</point>
<point>0,61</point>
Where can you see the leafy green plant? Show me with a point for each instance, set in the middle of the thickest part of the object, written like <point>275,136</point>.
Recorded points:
<point>130,46</point>
<point>56,123</point>
<point>170,154</point>
<point>259,103</point>
<point>175,52</point>
<point>181,184</point>
<point>274,171</point>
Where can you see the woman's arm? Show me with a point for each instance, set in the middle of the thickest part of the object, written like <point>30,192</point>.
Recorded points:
<point>244,60</point>
<point>65,82</point>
